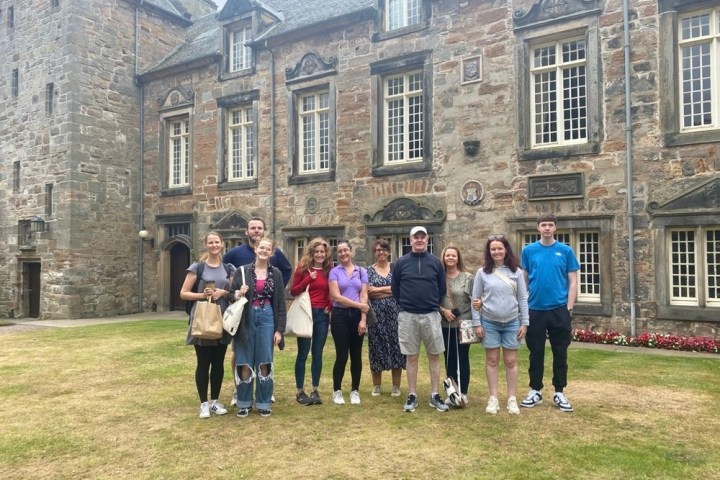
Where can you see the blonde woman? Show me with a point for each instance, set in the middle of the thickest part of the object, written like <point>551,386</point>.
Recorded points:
<point>214,283</point>
<point>312,274</point>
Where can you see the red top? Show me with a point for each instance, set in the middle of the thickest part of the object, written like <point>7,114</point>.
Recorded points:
<point>319,288</point>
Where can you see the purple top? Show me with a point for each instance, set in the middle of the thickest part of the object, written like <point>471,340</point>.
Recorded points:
<point>349,286</point>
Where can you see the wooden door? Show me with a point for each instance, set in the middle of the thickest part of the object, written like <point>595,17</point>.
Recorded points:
<point>32,287</point>
<point>179,262</point>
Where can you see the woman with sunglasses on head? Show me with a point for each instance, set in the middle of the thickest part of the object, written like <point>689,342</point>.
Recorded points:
<point>383,342</point>
<point>500,316</point>
<point>455,307</point>
<point>348,322</point>
<point>312,274</point>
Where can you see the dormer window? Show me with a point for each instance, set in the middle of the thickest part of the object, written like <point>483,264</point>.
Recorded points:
<point>240,53</point>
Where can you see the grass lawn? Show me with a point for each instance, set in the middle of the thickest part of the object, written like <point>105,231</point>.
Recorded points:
<point>119,401</point>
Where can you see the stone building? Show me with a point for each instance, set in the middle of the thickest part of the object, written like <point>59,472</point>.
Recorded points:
<point>360,118</point>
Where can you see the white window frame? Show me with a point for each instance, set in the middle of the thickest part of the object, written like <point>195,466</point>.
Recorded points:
<point>240,53</point>
<point>695,108</point>
<point>564,125</point>
<point>241,155</point>
<point>314,132</point>
<point>589,256</point>
<point>402,13</point>
<point>691,273</point>
<point>400,95</point>
<point>179,152</point>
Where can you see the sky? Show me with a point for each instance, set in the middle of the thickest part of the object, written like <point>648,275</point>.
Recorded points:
<point>220,4</point>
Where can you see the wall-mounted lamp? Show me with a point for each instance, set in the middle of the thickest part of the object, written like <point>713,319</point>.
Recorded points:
<point>472,147</point>
<point>143,234</point>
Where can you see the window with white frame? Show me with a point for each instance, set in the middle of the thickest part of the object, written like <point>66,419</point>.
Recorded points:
<point>559,93</point>
<point>241,161</point>
<point>240,52</point>
<point>299,244</point>
<point>402,13</point>
<point>694,260</point>
<point>313,110</point>
<point>586,245</point>
<point>179,152</point>
<point>699,72</point>
<point>403,118</point>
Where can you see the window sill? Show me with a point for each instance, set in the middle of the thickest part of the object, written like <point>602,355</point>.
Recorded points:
<point>595,309</point>
<point>690,138</point>
<point>398,32</point>
<point>688,314</point>
<point>171,192</point>
<point>556,152</point>
<point>415,167</point>
<point>238,185</point>
<point>240,73</point>
<point>311,178</point>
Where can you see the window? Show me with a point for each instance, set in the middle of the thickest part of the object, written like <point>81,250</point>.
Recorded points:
<point>314,132</point>
<point>404,99</point>
<point>11,17</point>
<point>48,199</point>
<point>16,176</point>
<point>49,98</point>
<point>299,244</point>
<point>240,53</point>
<point>698,51</point>
<point>241,144</point>
<point>175,229</point>
<point>402,13</point>
<point>559,107</point>
<point>179,152</point>
<point>694,259</point>
<point>15,82</point>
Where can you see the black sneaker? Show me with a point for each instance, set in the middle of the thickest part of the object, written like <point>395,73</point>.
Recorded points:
<point>302,398</point>
<point>562,402</point>
<point>264,413</point>
<point>243,412</point>
<point>315,398</point>
<point>533,398</point>
<point>411,403</point>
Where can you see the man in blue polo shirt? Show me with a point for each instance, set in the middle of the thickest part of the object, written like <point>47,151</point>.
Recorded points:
<point>551,274</point>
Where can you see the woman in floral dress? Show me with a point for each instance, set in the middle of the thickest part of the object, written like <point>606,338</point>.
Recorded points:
<point>383,339</point>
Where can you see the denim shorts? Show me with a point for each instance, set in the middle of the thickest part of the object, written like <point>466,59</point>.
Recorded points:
<point>501,334</point>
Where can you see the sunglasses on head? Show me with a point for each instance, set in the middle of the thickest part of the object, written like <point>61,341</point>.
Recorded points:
<point>498,236</point>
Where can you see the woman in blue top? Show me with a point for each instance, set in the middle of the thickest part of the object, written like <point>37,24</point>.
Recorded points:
<point>349,292</point>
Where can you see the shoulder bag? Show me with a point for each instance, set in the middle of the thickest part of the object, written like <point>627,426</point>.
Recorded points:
<point>299,316</point>
<point>466,332</point>
<point>207,321</point>
<point>233,314</point>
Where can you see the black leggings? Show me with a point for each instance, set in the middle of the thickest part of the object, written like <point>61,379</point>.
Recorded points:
<point>209,369</point>
<point>344,327</point>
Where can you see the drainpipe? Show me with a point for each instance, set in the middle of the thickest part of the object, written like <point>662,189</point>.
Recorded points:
<point>629,168</point>
<point>141,188</point>
<point>273,177</point>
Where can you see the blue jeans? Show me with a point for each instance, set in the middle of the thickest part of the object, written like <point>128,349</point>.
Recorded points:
<point>256,352</point>
<point>317,344</point>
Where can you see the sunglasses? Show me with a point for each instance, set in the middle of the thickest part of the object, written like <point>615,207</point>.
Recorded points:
<point>498,236</point>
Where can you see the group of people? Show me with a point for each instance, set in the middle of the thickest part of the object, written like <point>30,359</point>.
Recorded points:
<point>419,298</point>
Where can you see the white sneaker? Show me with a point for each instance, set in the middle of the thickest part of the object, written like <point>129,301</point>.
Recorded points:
<point>493,406</point>
<point>512,406</point>
<point>204,410</point>
<point>395,391</point>
<point>338,398</point>
<point>465,399</point>
<point>233,400</point>
<point>354,398</point>
<point>375,391</point>
<point>217,408</point>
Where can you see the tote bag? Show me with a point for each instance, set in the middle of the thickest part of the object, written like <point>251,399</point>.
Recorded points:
<point>299,317</point>
<point>207,321</point>
<point>467,333</point>
<point>233,314</point>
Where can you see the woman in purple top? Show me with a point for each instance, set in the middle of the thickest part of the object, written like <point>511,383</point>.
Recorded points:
<point>348,290</point>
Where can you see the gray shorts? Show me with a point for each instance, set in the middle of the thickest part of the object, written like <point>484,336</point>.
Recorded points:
<point>416,327</point>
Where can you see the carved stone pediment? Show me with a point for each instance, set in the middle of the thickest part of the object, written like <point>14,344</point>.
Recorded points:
<point>231,221</point>
<point>311,65</point>
<point>405,210</point>
<point>704,198</point>
<point>550,11</point>
<point>177,97</point>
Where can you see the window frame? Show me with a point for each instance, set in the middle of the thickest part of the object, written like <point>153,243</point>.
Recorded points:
<point>380,72</point>
<point>292,237</point>
<point>166,121</point>
<point>383,32</point>
<point>15,83</point>
<point>585,304</point>
<point>528,39</point>
<point>246,23</point>
<point>295,94</point>
<point>669,63</point>
<point>246,132</point>
<point>226,105</point>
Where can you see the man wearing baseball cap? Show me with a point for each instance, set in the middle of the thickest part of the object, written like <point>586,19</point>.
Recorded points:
<point>418,285</point>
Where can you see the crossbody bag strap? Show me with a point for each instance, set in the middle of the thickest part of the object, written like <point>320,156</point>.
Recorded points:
<point>506,280</point>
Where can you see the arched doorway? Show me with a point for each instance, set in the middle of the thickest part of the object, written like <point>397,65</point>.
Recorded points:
<point>179,262</point>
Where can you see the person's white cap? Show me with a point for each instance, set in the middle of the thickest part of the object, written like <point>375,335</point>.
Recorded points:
<point>417,229</point>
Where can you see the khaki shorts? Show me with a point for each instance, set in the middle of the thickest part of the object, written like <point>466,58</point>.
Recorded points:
<point>416,327</point>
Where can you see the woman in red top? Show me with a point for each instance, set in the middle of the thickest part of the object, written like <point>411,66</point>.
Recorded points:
<point>312,272</point>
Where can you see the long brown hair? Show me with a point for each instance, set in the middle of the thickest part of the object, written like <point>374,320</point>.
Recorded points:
<point>511,260</point>
<point>307,260</point>
<point>460,263</point>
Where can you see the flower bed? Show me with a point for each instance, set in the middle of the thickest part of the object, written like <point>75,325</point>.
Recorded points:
<point>649,340</point>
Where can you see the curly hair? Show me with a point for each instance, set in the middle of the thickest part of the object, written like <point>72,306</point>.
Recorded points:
<point>307,260</point>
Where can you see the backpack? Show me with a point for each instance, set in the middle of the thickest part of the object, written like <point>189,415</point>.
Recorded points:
<point>200,268</point>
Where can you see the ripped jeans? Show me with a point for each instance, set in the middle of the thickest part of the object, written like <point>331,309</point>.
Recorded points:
<point>256,353</point>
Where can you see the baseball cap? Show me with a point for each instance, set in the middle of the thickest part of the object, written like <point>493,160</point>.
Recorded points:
<point>418,229</point>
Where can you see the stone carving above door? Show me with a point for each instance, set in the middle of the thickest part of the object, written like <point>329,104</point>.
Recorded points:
<point>177,97</point>
<point>705,198</point>
<point>404,210</point>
